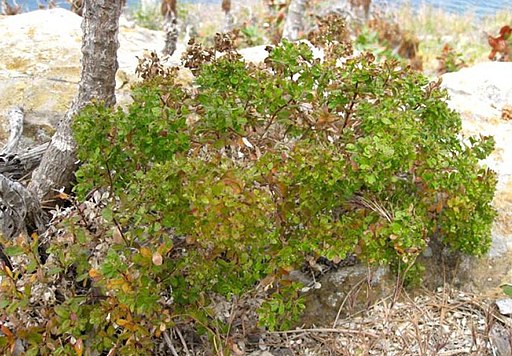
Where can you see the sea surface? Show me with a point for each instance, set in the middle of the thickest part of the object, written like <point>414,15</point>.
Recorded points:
<point>479,7</point>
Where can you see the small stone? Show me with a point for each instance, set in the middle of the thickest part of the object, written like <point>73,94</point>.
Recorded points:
<point>427,252</point>
<point>505,306</point>
<point>261,353</point>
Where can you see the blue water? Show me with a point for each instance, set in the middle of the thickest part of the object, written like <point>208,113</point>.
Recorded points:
<point>479,7</point>
<point>33,4</point>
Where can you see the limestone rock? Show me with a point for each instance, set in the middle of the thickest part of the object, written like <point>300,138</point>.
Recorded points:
<point>256,54</point>
<point>504,306</point>
<point>40,65</point>
<point>479,94</point>
<point>480,91</point>
<point>354,288</point>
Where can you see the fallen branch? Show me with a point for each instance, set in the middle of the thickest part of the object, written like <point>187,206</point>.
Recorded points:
<point>327,330</point>
<point>17,166</point>
<point>13,164</point>
<point>19,209</point>
<point>168,341</point>
<point>183,343</point>
<point>15,116</point>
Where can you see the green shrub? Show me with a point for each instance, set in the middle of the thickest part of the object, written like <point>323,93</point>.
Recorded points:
<point>214,188</point>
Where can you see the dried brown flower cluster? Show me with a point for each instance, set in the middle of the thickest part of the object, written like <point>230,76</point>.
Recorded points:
<point>500,50</point>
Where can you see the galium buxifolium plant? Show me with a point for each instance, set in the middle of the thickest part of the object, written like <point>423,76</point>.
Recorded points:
<point>230,183</point>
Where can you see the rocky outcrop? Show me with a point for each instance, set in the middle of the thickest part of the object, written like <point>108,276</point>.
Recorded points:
<point>482,94</point>
<point>481,91</point>
<point>40,66</point>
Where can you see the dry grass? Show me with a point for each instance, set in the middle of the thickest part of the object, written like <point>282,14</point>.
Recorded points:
<point>465,33</point>
<point>447,322</point>
<point>444,323</point>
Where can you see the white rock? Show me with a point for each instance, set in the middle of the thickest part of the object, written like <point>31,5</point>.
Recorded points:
<point>504,306</point>
<point>481,90</point>
<point>479,94</point>
<point>256,54</point>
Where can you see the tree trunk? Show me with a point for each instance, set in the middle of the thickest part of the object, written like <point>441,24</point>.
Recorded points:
<point>294,24</point>
<point>229,20</point>
<point>169,13</point>
<point>100,26</point>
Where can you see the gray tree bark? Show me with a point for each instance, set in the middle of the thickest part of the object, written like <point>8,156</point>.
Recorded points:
<point>294,23</point>
<point>229,20</point>
<point>15,116</point>
<point>100,26</point>
<point>22,164</point>
<point>15,165</point>
<point>18,207</point>
<point>168,10</point>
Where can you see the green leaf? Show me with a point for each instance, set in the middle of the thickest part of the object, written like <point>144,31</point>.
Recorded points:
<point>507,289</point>
<point>13,251</point>
<point>4,303</point>
<point>107,214</point>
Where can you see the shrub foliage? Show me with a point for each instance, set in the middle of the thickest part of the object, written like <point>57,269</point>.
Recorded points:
<point>232,182</point>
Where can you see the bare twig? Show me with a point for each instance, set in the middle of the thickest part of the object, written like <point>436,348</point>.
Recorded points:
<point>21,164</point>
<point>357,285</point>
<point>183,343</point>
<point>350,109</point>
<point>15,116</point>
<point>464,351</point>
<point>168,341</point>
<point>273,117</point>
<point>327,330</point>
